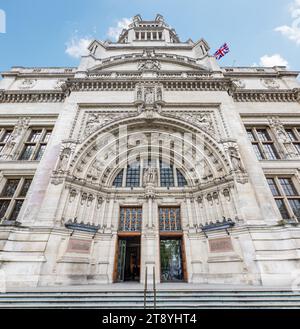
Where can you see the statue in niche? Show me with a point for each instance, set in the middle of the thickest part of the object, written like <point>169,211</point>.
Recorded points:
<point>159,94</point>
<point>139,93</point>
<point>64,159</point>
<point>149,96</point>
<point>150,176</point>
<point>279,130</point>
<point>235,159</point>
<point>15,138</point>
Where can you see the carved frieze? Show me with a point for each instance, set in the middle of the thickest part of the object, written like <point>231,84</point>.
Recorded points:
<point>203,120</point>
<point>238,83</point>
<point>149,65</point>
<point>97,120</point>
<point>32,97</point>
<point>28,84</point>
<point>270,83</point>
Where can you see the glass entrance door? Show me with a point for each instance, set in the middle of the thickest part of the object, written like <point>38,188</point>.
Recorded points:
<point>171,259</point>
<point>129,259</point>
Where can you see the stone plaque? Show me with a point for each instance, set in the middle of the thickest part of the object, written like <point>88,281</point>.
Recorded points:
<point>79,246</point>
<point>220,245</point>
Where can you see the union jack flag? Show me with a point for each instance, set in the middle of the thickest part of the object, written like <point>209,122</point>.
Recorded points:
<point>222,51</point>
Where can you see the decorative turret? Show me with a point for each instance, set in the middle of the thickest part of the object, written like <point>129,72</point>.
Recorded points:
<point>148,31</point>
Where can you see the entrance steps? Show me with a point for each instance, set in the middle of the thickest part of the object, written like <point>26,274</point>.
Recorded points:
<point>132,297</point>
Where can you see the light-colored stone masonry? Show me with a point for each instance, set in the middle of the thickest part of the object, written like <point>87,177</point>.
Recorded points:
<point>163,86</point>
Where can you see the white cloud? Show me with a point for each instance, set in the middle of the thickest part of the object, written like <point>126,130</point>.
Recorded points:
<point>292,32</point>
<point>114,31</point>
<point>77,47</point>
<point>273,60</point>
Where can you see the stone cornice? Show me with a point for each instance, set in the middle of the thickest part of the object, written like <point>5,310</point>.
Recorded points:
<point>212,84</point>
<point>257,95</point>
<point>36,96</point>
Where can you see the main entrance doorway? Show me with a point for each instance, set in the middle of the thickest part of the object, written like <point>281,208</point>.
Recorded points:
<point>171,259</point>
<point>128,259</point>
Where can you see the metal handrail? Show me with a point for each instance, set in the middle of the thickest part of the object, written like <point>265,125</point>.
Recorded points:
<point>154,287</point>
<point>145,288</point>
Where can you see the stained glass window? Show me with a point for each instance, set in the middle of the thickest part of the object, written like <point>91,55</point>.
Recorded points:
<point>169,219</point>
<point>130,219</point>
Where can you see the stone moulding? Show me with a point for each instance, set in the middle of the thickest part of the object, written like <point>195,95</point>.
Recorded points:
<point>289,95</point>
<point>32,96</point>
<point>178,84</point>
<point>74,225</point>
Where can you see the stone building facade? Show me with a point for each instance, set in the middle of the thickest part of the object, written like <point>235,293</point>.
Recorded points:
<point>149,155</point>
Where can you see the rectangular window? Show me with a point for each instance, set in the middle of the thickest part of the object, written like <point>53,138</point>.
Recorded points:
<point>35,145</point>
<point>286,195</point>
<point>12,197</point>
<point>294,136</point>
<point>5,136</point>
<point>169,219</point>
<point>263,144</point>
<point>130,219</point>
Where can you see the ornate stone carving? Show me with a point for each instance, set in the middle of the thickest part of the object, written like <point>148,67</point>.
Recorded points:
<point>150,192</point>
<point>226,193</point>
<point>97,120</point>
<point>270,83</point>
<point>282,137</point>
<point>235,158</point>
<point>237,166</point>
<point>28,83</point>
<point>149,93</point>
<point>64,159</point>
<point>73,193</point>
<point>149,65</point>
<point>94,171</point>
<point>203,120</point>
<point>265,96</point>
<point>239,83</point>
<point>32,97</point>
<point>59,83</point>
<point>150,176</point>
<point>16,137</point>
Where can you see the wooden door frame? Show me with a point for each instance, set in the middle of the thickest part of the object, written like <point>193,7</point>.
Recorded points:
<point>175,236</point>
<point>124,235</point>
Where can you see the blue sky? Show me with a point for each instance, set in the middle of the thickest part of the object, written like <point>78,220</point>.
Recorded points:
<point>38,32</point>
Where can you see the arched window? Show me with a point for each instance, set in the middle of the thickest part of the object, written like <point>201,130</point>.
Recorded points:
<point>118,181</point>
<point>181,181</point>
<point>168,176</point>
<point>133,175</point>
